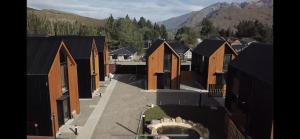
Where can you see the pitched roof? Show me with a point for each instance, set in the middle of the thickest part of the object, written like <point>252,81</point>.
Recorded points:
<point>256,61</point>
<point>129,50</point>
<point>154,46</point>
<point>247,40</point>
<point>40,53</point>
<point>208,46</point>
<point>100,41</point>
<point>180,48</point>
<point>239,48</point>
<point>79,46</point>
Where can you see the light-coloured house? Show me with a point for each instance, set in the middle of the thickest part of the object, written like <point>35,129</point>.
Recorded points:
<point>128,53</point>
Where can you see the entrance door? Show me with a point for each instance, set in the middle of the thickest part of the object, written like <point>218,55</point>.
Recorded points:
<point>160,81</point>
<point>63,109</point>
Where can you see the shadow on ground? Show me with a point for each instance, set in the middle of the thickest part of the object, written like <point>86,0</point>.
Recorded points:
<point>213,119</point>
<point>132,79</point>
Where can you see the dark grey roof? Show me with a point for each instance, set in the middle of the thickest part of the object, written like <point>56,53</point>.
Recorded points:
<point>239,48</point>
<point>129,50</point>
<point>246,41</point>
<point>79,46</point>
<point>154,46</point>
<point>208,47</point>
<point>179,47</point>
<point>100,41</point>
<point>40,53</point>
<point>256,61</point>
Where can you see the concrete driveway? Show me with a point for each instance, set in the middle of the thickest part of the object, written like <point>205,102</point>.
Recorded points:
<point>121,116</point>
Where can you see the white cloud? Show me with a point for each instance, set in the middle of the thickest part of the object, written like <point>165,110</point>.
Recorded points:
<point>154,10</point>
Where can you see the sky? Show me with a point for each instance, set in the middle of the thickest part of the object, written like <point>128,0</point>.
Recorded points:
<point>154,10</point>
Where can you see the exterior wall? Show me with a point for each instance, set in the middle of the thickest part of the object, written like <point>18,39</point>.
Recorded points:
<point>38,105</point>
<point>73,87</point>
<point>188,55</point>
<point>154,65</point>
<point>187,76</point>
<point>231,130</point>
<point>175,72</point>
<point>106,58</point>
<point>96,63</point>
<point>215,64</point>
<point>257,106</point>
<point>55,89</point>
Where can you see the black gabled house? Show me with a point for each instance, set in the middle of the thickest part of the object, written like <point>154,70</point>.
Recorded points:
<point>52,89</point>
<point>85,53</point>
<point>101,44</point>
<point>249,95</point>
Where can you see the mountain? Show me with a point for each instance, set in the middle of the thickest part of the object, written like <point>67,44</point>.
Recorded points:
<point>64,16</point>
<point>225,15</point>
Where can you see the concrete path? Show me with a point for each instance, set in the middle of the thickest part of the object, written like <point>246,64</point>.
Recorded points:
<point>87,130</point>
<point>121,116</point>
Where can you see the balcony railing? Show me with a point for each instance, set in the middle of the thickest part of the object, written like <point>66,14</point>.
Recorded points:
<point>215,90</point>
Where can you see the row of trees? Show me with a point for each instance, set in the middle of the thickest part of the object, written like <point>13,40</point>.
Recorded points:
<point>120,32</point>
<point>249,28</point>
<point>124,31</point>
<point>42,26</point>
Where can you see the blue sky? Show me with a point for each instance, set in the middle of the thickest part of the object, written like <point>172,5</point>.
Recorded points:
<point>155,10</point>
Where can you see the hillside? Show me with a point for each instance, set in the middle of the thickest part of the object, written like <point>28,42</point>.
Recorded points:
<point>225,15</point>
<point>64,16</point>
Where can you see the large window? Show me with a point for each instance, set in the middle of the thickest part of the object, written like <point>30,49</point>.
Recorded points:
<point>63,72</point>
<point>167,60</point>
<point>227,59</point>
<point>220,79</point>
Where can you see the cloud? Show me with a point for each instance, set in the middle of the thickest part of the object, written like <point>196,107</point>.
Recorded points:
<point>154,10</point>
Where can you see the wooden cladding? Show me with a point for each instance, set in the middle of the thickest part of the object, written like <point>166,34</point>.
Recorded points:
<point>106,55</point>
<point>55,85</point>
<point>94,64</point>
<point>155,66</point>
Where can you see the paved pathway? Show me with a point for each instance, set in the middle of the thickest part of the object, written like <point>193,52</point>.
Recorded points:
<point>87,130</point>
<point>121,116</point>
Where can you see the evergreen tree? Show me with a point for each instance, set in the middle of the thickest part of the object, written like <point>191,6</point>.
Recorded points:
<point>142,22</point>
<point>207,29</point>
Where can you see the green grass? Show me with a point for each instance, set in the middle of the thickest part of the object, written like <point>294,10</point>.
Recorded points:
<point>154,113</point>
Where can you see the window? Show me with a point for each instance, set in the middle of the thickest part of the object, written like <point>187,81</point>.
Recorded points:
<point>126,57</point>
<point>202,64</point>
<point>115,56</point>
<point>219,79</point>
<point>227,59</point>
<point>63,72</point>
<point>167,60</point>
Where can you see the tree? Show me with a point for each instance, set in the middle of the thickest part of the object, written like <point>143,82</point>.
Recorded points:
<point>226,32</point>
<point>256,30</point>
<point>149,24</point>
<point>142,22</point>
<point>207,29</point>
<point>187,35</point>
<point>163,32</point>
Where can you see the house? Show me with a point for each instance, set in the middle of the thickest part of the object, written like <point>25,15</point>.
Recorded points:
<point>249,95</point>
<point>247,41</point>
<point>239,47</point>
<point>182,50</point>
<point>52,88</point>
<point>102,47</point>
<point>127,53</point>
<point>163,66</point>
<point>85,53</point>
<point>210,62</point>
